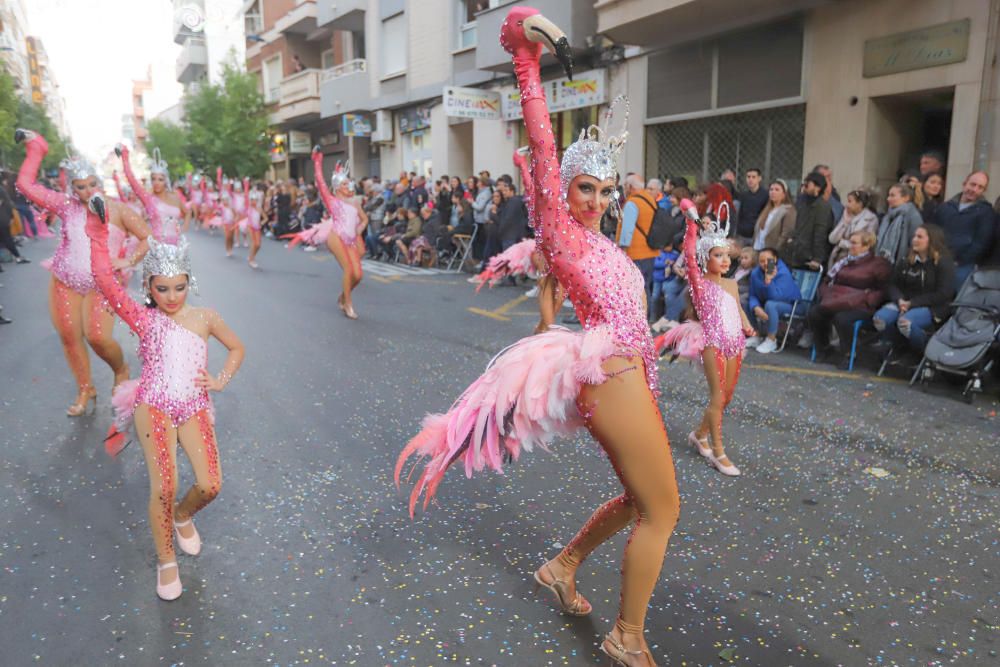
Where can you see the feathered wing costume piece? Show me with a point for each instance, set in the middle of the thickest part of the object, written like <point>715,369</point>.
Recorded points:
<point>526,397</point>
<point>315,235</point>
<point>514,261</point>
<point>686,340</point>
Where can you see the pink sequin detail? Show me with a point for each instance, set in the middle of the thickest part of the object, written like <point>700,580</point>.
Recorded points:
<point>170,217</point>
<point>71,261</point>
<point>717,309</point>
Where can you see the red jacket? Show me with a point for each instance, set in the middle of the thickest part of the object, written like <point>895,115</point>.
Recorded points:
<point>859,285</point>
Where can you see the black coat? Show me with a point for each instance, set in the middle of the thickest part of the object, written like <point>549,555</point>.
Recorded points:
<point>513,218</point>
<point>925,284</point>
<point>970,232</point>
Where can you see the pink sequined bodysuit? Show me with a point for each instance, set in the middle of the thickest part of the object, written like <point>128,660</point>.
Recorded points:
<point>172,356</point>
<point>717,309</point>
<point>170,217</point>
<point>604,285</point>
<point>164,219</point>
<point>346,221</point>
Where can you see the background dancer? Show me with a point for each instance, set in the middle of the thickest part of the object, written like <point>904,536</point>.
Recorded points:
<point>77,310</point>
<point>164,209</point>
<point>349,222</point>
<point>603,377</point>
<point>169,403</point>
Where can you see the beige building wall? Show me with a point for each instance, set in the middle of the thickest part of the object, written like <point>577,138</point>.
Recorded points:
<point>493,145</point>
<point>630,78</point>
<point>861,142</point>
<point>430,44</point>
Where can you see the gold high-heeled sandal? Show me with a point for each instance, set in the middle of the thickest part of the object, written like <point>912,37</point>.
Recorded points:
<point>579,606</point>
<point>87,406</point>
<point>621,653</point>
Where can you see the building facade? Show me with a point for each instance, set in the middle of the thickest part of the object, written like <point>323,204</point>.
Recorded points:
<point>211,34</point>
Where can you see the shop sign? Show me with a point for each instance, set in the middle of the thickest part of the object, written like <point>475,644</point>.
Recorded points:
<point>299,142</point>
<point>587,89</point>
<point>357,126</point>
<point>414,119</point>
<point>937,45</point>
<point>34,72</point>
<point>471,103</point>
<point>329,139</point>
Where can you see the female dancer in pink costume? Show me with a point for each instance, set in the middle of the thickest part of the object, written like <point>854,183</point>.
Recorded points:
<point>163,207</point>
<point>603,377</point>
<point>719,339</point>
<point>196,194</point>
<point>77,310</point>
<point>169,402</point>
<point>349,222</point>
<point>251,215</point>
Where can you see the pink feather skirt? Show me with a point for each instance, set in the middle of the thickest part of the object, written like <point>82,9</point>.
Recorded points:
<point>514,261</point>
<point>526,397</point>
<point>686,340</point>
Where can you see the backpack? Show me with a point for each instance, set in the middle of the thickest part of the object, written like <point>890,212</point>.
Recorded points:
<point>663,228</point>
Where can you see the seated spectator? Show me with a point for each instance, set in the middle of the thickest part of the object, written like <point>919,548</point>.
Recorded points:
<point>967,221</point>
<point>932,187</point>
<point>920,291</point>
<point>392,232</point>
<point>414,224</point>
<point>463,223</point>
<point>854,288</point>
<point>662,276</point>
<point>434,231</point>
<point>491,228</point>
<point>857,217</point>
<point>313,212</point>
<point>776,221</point>
<point>744,261</point>
<point>773,290</point>
<point>807,247</point>
<point>898,224</point>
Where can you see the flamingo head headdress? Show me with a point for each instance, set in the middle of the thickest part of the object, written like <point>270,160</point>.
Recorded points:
<point>341,175</point>
<point>525,30</point>
<point>595,153</point>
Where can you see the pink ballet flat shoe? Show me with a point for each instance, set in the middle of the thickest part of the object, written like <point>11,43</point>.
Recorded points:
<point>170,591</point>
<point>189,545</point>
<point>704,450</point>
<point>729,470</point>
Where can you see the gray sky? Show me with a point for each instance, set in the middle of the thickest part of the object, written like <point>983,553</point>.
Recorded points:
<point>96,48</point>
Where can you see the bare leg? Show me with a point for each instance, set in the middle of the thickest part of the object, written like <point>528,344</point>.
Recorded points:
<point>66,311</point>
<point>99,326</point>
<point>623,417</point>
<point>197,437</point>
<point>344,257</point>
<point>230,233</point>
<point>549,295</point>
<point>254,244</point>
<point>158,438</point>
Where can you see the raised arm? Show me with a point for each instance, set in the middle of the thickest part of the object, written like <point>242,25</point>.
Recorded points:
<point>118,186</point>
<point>691,259</point>
<point>131,312</point>
<point>144,196</point>
<point>332,203</point>
<point>36,148</point>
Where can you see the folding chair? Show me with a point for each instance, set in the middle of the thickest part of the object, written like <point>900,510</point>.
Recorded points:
<point>464,242</point>
<point>808,282</point>
<point>854,347</point>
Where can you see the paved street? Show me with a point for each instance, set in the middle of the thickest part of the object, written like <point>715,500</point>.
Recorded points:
<point>863,532</point>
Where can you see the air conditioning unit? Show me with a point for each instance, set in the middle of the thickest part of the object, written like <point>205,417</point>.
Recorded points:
<point>383,132</point>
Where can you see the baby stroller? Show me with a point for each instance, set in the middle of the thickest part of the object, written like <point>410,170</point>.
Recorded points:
<point>966,345</point>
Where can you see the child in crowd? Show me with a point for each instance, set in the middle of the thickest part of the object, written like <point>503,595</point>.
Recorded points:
<point>663,274</point>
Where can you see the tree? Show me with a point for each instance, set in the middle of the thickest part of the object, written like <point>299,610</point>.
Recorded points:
<point>172,140</point>
<point>227,125</point>
<point>8,114</point>
<point>33,117</point>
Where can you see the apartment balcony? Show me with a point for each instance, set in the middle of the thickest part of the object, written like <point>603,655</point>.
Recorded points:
<point>189,18</point>
<point>298,98</point>
<point>343,14</point>
<point>192,62</point>
<point>654,23</point>
<point>577,19</point>
<point>345,89</point>
<point>300,20</point>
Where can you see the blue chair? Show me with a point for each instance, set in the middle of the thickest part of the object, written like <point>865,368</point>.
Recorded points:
<point>808,282</point>
<point>854,346</point>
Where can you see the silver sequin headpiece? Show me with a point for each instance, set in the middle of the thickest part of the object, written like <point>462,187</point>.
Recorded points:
<point>78,168</point>
<point>164,259</point>
<point>715,235</point>
<point>157,165</point>
<point>595,152</point>
<point>341,174</point>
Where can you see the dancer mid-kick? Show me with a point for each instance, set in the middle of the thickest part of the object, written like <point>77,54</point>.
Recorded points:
<point>169,402</point>
<point>77,310</point>
<point>603,377</point>
<point>349,223</point>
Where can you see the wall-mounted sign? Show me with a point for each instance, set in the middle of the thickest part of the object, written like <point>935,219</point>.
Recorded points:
<point>937,45</point>
<point>329,139</point>
<point>34,72</point>
<point>299,142</point>
<point>585,90</point>
<point>471,103</point>
<point>414,119</point>
<point>357,126</point>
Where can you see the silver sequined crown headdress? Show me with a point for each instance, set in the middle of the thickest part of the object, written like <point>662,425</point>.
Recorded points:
<point>164,259</point>
<point>78,168</point>
<point>157,165</point>
<point>595,152</point>
<point>714,235</point>
<point>341,174</point>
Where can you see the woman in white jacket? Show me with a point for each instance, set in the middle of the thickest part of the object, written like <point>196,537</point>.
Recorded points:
<point>857,217</point>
